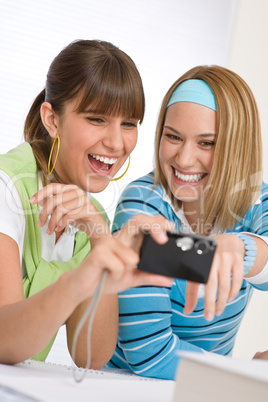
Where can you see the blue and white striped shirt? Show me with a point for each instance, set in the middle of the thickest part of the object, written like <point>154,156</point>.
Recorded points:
<point>152,326</point>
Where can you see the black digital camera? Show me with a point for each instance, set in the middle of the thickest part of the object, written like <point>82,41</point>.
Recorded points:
<point>184,256</point>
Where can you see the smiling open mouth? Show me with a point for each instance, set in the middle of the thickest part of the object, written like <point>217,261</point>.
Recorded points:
<point>189,178</point>
<point>101,164</point>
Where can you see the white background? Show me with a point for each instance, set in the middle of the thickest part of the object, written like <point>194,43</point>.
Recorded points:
<point>164,38</point>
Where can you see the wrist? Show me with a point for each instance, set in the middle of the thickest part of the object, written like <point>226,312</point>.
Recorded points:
<point>70,283</point>
<point>97,230</point>
<point>250,248</point>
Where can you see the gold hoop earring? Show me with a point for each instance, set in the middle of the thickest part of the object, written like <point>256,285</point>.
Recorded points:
<point>50,155</point>
<point>117,178</point>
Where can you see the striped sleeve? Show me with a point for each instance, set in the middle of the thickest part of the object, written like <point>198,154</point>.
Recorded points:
<point>256,222</point>
<point>153,329</point>
<point>145,333</point>
<point>259,222</point>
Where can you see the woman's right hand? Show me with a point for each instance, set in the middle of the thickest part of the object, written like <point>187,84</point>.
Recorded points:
<point>120,261</point>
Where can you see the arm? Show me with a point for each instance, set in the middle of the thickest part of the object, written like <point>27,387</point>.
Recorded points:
<point>229,259</point>
<point>145,334</point>
<point>104,334</point>
<point>258,275</point>
<point>27,325</point>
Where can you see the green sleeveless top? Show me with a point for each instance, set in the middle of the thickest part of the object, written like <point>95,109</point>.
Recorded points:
<point>20,165</point>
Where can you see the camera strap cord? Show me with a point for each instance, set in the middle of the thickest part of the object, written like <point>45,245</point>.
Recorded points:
<point>91,309</point>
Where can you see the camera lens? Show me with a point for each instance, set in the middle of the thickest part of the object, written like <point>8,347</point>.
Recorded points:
<point>202,247</point>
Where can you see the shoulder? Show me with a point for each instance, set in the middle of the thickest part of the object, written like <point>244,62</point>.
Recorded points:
<point>142,187</point>
<point>18,159</point>
<point>142,196</point>
<point>256,219</point>
<point>20,165</point>
<point>264,193</point>
<point>261,205</point>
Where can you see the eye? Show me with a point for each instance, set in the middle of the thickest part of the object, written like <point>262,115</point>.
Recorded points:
<point>129,124</point>
<point>95,120</point>
<point>173,137</point>
<point>207,144</point>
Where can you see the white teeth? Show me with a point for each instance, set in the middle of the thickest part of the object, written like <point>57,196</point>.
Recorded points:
<point>109,161</point>
<point>189,178</point>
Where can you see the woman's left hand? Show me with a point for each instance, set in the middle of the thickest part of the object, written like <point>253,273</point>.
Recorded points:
<point>69,205</point>
<point>225,278</point>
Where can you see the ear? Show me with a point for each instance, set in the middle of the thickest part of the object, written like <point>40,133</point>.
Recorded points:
<point>49,119</point>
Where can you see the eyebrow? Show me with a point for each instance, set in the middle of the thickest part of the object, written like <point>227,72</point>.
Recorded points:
<point>93,111</point>
<point>199,135</point>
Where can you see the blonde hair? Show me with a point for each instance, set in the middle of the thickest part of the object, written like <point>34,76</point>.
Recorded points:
<point>236,176</point>
<point>104,76</point>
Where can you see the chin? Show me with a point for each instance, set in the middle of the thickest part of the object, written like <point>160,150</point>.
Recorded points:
<point>98,186</point>
<point>183,196</point>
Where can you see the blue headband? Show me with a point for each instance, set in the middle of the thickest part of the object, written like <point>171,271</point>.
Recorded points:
<point>195,91</point>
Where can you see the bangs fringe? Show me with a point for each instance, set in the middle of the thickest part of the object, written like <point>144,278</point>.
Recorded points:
<point>114,91</point>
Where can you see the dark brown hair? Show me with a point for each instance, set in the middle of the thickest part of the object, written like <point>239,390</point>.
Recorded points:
<point>103,76</point>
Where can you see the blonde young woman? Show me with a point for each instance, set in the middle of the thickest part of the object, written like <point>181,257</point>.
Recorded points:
<point>208,180</point>
<point>79,132</point>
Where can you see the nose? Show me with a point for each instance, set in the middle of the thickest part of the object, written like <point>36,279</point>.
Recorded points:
<point>186,155</point>
<point>113,138</point>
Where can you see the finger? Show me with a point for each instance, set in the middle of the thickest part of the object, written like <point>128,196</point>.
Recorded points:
<point>190,297</point>
<point>108,260</point>
<point>159,230</point>
<point>123,253</point>
<point>45,192</point>
<point>49,190</point>
<point>126,254</point>
<point>157,226</point>
<point>68,200</point>
<point>57,222</point>
<point>60,219</point>
<point>237,278</point>
<point>47,208</point>
<point>211,290</point>
<point>62,204</point>
<point>224,284</point>
<point>53,207</point>
<point>132,232</point>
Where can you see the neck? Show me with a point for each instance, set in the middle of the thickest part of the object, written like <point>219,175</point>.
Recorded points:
<point>195,219</point>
